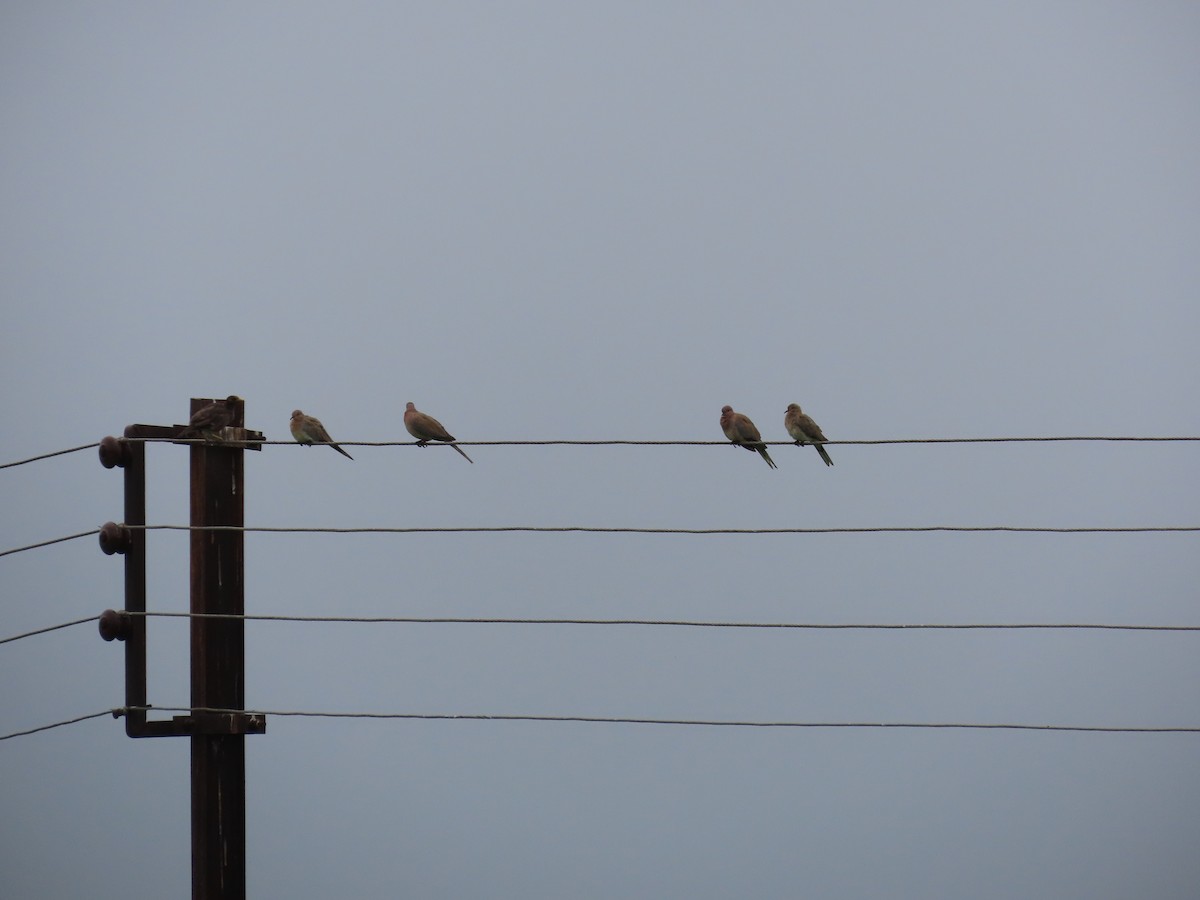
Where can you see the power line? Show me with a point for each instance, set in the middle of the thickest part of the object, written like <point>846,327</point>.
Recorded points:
<point>670,623</point>
<point>727,723</point>
<point>713,443</point>
<point>999,440</point>
<point>622,720</point>
<point>21,462</point>
<point>652,443</point>
<point>69,537</point>
<point>27,634</point>
<point>677,623</point>
<point>591,529</point>
<point>106,712</point>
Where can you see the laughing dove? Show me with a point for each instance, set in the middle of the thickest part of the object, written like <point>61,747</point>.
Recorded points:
<point>426,428</point>
<point>308,430</point>
<point>209,421</point>
<point>804,430</point>
<point>741,431</point>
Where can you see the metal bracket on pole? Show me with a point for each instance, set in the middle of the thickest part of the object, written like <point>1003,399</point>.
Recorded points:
<point>217,644</point>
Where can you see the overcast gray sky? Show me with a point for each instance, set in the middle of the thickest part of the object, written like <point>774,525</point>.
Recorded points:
<point>606,221</point>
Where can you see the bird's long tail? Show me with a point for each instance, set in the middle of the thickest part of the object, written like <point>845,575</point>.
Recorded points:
<point>762,449</point>
<point>824,455</point>
<point>341,451</point>
<point>464,455</point>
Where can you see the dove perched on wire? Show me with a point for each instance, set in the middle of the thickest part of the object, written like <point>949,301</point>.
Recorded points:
<point>804,430</point>
<point>309,430</point>
<point>426,428</point>
<point>209,421</point>
<point>741,431</point>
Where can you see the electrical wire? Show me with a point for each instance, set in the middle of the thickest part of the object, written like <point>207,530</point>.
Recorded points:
<point>69,537</point>
<point>22,462</point>
<point>728,723</point>
<point>622,720</point>
<point>28,634</point>
<point>590,529</point>
<point>704,443</point>
<point>670,623</point>
<point>676,623</point>
<point>106,712</point>
<point>647,443</point>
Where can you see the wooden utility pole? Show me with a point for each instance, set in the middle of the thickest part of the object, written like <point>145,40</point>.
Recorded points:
<point>217,645</point>
<point>218,670</point>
